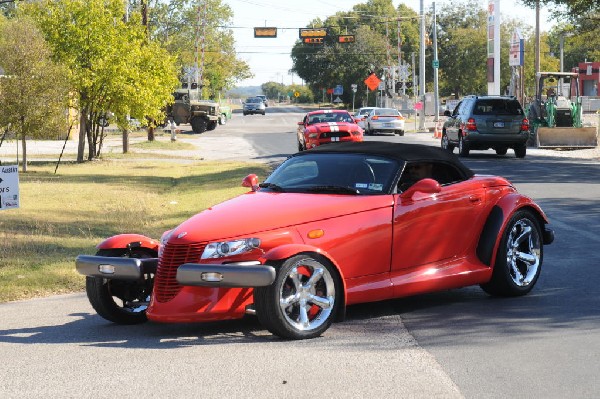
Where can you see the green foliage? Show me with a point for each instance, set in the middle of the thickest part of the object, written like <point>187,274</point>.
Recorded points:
<point>273,89</point>
<point>113,65</point>
<point>585,13</point>
<point>462,50</point>
<point>34,91</point>
<point>174,25</point>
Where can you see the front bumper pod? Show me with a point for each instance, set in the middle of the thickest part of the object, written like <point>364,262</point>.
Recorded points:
<point>242,274</point>
<point>115,268</point>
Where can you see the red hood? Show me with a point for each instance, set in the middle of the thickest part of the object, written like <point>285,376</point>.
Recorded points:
<point>334,126</point>
<point>254,212</point>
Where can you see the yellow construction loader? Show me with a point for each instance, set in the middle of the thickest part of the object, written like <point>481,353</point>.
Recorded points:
<point>556,114</point>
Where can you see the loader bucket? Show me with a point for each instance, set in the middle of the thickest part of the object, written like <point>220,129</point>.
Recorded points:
<point>567,137</point>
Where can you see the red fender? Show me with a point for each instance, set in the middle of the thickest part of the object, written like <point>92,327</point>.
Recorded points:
<point>122,240</point>
<point>510,204</point>
<point>288,250</point>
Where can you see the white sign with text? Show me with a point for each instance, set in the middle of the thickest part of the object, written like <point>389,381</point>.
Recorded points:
<point>9,187</point>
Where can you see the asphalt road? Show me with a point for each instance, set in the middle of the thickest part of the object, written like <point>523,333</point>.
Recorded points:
<point>459,343</point>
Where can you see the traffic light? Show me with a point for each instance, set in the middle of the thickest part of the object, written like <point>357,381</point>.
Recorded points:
<point>346,39</point>
<point>313,40</point>
<point>265,32</point>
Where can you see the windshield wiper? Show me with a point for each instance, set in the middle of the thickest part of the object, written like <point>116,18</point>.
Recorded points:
<point>333,189</point>
<point>271,186</point>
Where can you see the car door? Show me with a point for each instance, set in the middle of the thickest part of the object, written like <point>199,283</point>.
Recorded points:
<point>452,124</point>
<point>300,131</point>
<point>430,228</point>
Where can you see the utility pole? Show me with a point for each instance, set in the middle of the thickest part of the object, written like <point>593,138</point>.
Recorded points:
<point>401,77</point>
<point>537,43</point>
<point>422,68</point>
<point>199,42</point>
<point>436,97</point>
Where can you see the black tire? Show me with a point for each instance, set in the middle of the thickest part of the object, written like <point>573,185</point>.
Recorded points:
<point>310,306</point>
<point>222,120</point>
<point>245,113</point>
<point>463,148</point>
<point>212,125</point>
<point>501,150</point>
<point>521,151</point>
<point>134,296</point>
<point>263,114</point>
<point>199,124</point>
<point>519,258</point>
<point>400,132</point>
<point>445,143</point>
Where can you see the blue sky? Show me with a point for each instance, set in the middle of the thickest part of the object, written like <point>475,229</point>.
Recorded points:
<point>269,59</point>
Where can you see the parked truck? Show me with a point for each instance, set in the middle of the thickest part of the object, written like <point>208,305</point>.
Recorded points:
<point>203,115</point>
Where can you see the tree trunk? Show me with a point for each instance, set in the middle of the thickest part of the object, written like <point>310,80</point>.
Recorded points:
<point>150,133</point>
<point>24,145</point>
<point>81,145</point>
<point>91,145</point>
<point>125,141</point>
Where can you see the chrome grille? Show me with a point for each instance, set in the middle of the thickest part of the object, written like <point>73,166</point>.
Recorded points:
<point>173,256</point>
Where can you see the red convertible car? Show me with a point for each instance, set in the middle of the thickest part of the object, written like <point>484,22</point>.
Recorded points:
<point>330,227</point>
<point>327,126</point>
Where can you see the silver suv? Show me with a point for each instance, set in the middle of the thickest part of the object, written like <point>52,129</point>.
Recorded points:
<point>254,105</point>
<point>264,99</point>
<point>483,122</point>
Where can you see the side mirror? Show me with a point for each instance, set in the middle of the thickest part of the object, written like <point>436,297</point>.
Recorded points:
<point>447,113</point>
<point>425,186</point>
<point>251,181</point>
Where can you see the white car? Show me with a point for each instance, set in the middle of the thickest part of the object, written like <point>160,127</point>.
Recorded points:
<point>361,116</point>
<point>385,120</point>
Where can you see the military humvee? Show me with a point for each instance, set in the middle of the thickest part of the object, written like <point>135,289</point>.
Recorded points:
<point>203,115</point>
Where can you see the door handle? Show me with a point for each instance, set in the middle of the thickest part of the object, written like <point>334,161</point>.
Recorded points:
<point>474,199</point>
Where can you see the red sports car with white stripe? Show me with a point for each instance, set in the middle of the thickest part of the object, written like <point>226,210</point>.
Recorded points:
<point>327,126</point>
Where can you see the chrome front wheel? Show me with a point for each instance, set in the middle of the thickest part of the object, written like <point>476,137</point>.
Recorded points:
<point>523,252</point>
<point>519,257</point>
<point>302,301</point>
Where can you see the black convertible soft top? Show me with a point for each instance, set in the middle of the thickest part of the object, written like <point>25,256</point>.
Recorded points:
<point>400,151</point>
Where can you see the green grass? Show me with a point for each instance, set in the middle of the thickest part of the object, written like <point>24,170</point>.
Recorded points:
<point>163,145</point>
<point>64,215</point>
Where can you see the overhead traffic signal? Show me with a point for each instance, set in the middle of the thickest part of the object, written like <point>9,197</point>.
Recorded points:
<point>346,39</point>
<point>265,32</point>
<point>313,40</point>
<point>312,32</point>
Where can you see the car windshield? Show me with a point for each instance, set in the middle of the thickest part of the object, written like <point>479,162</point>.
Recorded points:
<point>386,111</point>
<point>330,117</point>
<point>254,100</point>
<point>497,106</point>
<point>357,174</point>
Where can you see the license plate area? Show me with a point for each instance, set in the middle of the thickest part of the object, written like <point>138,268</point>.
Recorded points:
<point>499,124</point>
<point>388,125</point>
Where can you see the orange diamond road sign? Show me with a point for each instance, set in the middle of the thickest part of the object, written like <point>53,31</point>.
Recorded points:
<point>372,82</point>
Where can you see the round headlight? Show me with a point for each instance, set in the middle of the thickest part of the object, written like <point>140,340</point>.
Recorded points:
<point>224,248</point>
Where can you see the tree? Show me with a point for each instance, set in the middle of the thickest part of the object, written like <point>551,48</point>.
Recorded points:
<point>174,25</point>
<point>585,13</point>
<point>112,64</point>
<point>462,35</point>
<point>33,93</point>
<point>273,89</point>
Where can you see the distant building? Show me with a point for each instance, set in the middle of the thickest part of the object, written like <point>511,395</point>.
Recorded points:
<point>589,78</point>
